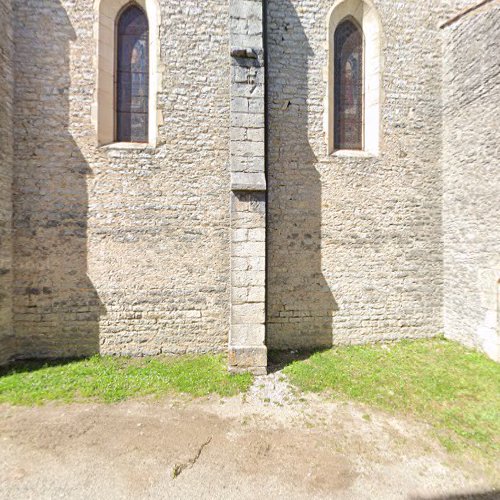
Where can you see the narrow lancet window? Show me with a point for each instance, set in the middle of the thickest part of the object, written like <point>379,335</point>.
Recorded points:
<point>132,76</point>
<point>348,87</point>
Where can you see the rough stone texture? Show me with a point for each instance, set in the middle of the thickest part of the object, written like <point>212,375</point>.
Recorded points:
<point>354,244</point>
<point>7,347</point>
<point>122,251</point>
<point>247,350</point>
<point>148,250</point>
<point>471,162</point>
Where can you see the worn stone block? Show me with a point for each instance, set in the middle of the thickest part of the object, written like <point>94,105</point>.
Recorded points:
<point>251,359</point>
<point>248,182</point>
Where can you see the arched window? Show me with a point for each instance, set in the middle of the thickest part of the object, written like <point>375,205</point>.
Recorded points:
<point>348,86</point>
<point>354,95</point>
<point>132,76</point>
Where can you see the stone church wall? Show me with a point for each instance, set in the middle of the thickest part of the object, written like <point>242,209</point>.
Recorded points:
<point>121,250</point>
<point>471,173</point>
<point>7,348</point>
<point>126,250</point>
<point>354,245</point>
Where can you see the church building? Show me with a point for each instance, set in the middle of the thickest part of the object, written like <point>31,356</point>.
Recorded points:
<point>190,176</point>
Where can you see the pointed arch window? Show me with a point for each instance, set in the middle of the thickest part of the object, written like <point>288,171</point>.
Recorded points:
<point>348,86</point>
<point>132,76</point>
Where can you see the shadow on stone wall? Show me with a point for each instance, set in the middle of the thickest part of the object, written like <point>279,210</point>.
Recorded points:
<point>56,307</point>
<point>300,302</point>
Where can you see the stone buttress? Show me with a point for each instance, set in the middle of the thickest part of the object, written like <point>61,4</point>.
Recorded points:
<point>247,350</point>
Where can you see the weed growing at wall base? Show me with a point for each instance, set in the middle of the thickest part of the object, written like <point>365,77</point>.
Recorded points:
<point>454,389</point>
<point>110,379</point>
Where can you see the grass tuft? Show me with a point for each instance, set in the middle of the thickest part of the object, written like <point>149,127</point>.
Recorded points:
<point>110,379</point>
<point>454,389</point>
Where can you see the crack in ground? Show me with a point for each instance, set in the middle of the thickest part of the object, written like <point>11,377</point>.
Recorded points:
<point>179,468</point>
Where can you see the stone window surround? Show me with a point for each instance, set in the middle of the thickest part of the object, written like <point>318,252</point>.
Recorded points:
<point>364,13</point>
<point>104,107</point>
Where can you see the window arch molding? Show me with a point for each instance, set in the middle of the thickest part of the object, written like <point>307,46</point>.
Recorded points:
<point>107,13</point>
<point>363,14</point>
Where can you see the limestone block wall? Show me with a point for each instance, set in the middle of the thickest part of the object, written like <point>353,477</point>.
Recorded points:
<point>163,248</point>
<point>471,176</point>
<point>354,242</point>
<point>7,345</point>
<point>121,250</point>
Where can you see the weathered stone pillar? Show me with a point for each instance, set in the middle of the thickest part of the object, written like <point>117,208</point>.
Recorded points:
<point>7,342</point>
<point>247,350</point>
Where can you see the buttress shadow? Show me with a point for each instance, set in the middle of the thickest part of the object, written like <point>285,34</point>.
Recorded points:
<point>300,302</point>
<point>56,307</point>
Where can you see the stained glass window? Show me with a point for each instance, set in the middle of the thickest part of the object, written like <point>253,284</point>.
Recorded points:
<point>132,76</point>
<point>348,87</point>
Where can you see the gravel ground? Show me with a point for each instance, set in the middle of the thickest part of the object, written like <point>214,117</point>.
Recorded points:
<point>269,442</point>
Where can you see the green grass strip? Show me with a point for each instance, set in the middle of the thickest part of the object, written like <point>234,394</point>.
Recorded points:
<point>454,389</point>
<point>111,379</point>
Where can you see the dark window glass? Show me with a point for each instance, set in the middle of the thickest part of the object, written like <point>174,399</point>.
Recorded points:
<point>132,76</point>
<point>348,90</point>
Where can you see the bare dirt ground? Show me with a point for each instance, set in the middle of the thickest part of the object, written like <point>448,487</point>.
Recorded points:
<point>268,443</point>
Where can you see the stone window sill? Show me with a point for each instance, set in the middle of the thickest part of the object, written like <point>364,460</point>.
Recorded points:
<point>128,146</point>
<point>352,153</point>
